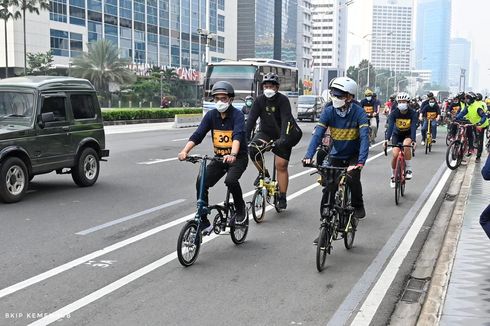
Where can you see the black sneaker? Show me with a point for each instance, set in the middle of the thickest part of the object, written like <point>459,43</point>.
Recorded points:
<point>240,215</point>
<point>315,242</point>
<point>359,212</point>
<point>282,202</point>
<point>205,226</point>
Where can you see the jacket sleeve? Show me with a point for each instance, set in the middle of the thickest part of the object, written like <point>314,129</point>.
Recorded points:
<point>203,129</point>
<point>286,117</point>
<point>391,126</point>
<point>413,127</point>
<point>462,114</point>
<point>318,134</point>
<point>482,115</point>
<point>238,126</point>
<point>486,169</point>
<point>364,137</point>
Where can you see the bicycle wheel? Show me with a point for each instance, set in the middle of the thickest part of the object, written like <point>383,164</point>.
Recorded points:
<point>322,248</point>
<point>428,140</point>
<point>402,182</point>
<point>188,244</point>
<point>239,230</point>
<point>448,139</point>
<point>452,155</point>
<point>350,228</point>
<point>398,180</point>
<point>258,206</point>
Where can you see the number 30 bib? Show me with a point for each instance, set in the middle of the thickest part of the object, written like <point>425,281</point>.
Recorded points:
<point>222,141</point>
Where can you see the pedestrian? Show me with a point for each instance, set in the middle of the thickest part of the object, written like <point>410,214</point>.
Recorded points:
<point>485,216</point>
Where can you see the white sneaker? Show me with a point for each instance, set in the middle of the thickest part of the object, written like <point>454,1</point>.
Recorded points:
<point>408,175</point>
<point>422,143</point>
<point>392,182</point>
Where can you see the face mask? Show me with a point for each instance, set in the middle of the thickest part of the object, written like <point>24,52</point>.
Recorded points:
<point>221,106</point>
<point>369,98</point>
<point>337,103</point>
<point>403,106</point>
<point>431,104</point>
<point>269,93</point>
<point>248,103</point>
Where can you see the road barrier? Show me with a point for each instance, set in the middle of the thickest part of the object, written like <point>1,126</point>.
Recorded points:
<point>187,120</point>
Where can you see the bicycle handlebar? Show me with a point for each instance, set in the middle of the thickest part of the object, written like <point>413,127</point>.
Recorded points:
<point>197,158</point>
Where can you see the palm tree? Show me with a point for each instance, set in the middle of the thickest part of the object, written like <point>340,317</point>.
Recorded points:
<point>32,6</point>
<point>169,75</point>
<point>102,65</point>
<point>6,14</point>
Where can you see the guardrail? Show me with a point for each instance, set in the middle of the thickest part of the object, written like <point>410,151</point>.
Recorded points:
<point>187,120</point>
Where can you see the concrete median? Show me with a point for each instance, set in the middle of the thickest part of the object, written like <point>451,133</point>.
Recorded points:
<point>187,120</point>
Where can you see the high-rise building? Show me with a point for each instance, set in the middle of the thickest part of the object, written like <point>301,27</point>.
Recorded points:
<point>304,41</point>
<point>432,38</point>
<point>329,31</point>
<point>459,58</point>
<point>391,34</point>
<point>151,32</point>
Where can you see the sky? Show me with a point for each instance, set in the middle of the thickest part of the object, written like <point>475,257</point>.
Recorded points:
<point>469,20</point>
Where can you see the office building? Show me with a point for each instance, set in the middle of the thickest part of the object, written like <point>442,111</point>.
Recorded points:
<point>459,58</point>
<point>304,41</point>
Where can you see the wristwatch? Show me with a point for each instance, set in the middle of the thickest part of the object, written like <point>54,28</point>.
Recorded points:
<point>233,154</point>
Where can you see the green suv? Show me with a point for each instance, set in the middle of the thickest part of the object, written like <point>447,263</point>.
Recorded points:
<point>48,124</point>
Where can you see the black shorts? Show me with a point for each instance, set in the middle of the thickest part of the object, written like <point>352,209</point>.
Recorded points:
<point>399,138</point>
<point>282,151</point>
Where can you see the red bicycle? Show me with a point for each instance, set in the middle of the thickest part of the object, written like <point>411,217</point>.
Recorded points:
<point>400,170</point>
<point>456,150</point>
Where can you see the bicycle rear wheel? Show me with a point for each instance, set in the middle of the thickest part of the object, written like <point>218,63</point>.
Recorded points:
<point>323,246</point>
<point>188,244</point>
<point>239,230</point>
<point>258,206</point>
<point>351,224</point>
<point>452,155</point>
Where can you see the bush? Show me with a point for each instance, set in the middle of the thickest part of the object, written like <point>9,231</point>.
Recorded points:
<point>134,114</point>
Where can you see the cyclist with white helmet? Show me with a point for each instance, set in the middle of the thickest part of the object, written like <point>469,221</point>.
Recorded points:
<point>402,128</point>
<point>348,125</point>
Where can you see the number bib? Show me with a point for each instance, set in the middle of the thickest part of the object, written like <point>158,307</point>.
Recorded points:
<point>369,109</point>
<point>403,124</point>
<point>455,110</point>
<point>431,115</point>
<point>222,141</point>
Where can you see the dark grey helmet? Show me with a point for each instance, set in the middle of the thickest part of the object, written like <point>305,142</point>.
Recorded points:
<point>271,78</point>
<point>479,97</point>
<point>223,87</point>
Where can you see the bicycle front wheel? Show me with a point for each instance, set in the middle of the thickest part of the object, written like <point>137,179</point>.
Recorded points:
<point>188,244</point>
<point>452,155</point>
<point>258,206</point>
<point>322,248</point>
<point>398,183</point>
<point>239,229</point>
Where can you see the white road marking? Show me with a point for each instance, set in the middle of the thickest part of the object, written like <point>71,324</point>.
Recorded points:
<point>159,160</point>
<point>180,139</point>
<point>129,217</point>
<point>378,292</point>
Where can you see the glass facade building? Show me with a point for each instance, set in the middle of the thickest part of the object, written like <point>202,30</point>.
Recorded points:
<point>150,32</point>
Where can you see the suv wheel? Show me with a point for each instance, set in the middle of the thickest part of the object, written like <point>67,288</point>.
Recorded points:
<point>86,170</point>
<point>14,180</point>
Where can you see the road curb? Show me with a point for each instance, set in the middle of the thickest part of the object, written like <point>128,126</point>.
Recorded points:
<point>422,300</point>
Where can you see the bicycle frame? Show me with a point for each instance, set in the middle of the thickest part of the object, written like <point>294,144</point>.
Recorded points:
<point>271,185</point>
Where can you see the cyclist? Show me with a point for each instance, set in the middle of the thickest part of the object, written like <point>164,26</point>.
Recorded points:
<point>402,128</point>
<point>389,104</point>
<point>453,109</point>
<point>276,123</point>
<point>226,124</point>
<point>377,107</point>
<point>414,105</point>
<point>429,110</point>
<point>348,125</point>
<point>249,101</point>
<point>369,106</point>
<point>479,100</point>
<point>477,117</point>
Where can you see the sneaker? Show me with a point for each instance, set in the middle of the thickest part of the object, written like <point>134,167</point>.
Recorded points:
<point>422,143</point>
<point>206,226</point>
<point>315,242</point>
<point>359,212</point>
<point>408,175</point>
<point>282,202</point>
<point>433,141</point>
<point>477,160</point>
<point>239,215</point>
<point>470,152</point>
<point>392,183</point>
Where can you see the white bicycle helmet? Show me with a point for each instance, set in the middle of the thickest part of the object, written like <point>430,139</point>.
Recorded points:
<point>344,84</point>
<point>403,97</point>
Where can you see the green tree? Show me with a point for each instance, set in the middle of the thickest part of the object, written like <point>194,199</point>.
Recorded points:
<point>40,63</point>
<point>7,11</point>
<point>102,65</point>
<point>31,6</point>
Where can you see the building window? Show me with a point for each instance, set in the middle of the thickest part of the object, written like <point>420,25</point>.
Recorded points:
<point>213,12</point>
<point>58,11</point>
<point>94,31</point>
<point>221,44</point>
<point>111,33</point>
<point>76,44</point>
<point>77,15</point>
<point>221,4</point>
<point>59,43</point>
<point>125,9</point>
<point>221,23</point>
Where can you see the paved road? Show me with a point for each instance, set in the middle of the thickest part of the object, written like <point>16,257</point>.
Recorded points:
<point>105,255</point>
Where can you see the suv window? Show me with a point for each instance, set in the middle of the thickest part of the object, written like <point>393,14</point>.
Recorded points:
<point>55,104</point>
<point>82,106</point>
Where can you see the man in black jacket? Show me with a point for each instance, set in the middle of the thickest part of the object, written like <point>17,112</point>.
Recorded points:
<point>276,124</point>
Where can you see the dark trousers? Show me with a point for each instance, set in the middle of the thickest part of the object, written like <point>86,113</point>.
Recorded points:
<point>216,170</point>
<point>485,221</point>
<point>353,180</point>
<point>480,137</point>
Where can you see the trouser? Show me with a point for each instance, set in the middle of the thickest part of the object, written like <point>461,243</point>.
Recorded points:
<point>470,134</point>
<point>353,180</point>
<point>480,138</point>
<point>373,125</point>
<point>217,169</point>
<point>485,221</point>
<point>433,129</point>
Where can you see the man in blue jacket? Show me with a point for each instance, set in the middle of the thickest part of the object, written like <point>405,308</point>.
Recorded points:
<point>485,216</point>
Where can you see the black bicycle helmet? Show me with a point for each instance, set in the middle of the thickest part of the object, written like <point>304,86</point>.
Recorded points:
<point>223,87</point>
<point>479,97</point>
<point>271,78</point>
<point>471,95</point>
<point>430,95</point>
<point>374,95</point>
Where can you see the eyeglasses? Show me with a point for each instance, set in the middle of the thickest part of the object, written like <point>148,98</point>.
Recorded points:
<point>338,97</point>
<point>222,98</point>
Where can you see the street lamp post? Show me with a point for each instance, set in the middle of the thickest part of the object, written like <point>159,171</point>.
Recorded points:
<point>376,78</point>
<point>398,84</point>
<point>387,85</point>
<point>358,74</point>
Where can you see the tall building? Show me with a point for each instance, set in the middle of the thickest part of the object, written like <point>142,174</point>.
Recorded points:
<point>459,58</point>
<point>329,25</point>
<point>391,34</point>
<point>151,32</point>
<point>304,56</point>
<point>432,38</point>
<point>256,25</point>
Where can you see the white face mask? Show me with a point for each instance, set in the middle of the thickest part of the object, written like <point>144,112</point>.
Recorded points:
<point>403,106</point>
<point>221,106</point>
<point>337,103</point>
<point>369,98</point>
<point>269,92</point>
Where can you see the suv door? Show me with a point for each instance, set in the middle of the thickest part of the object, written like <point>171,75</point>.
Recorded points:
<point>53,139</point>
